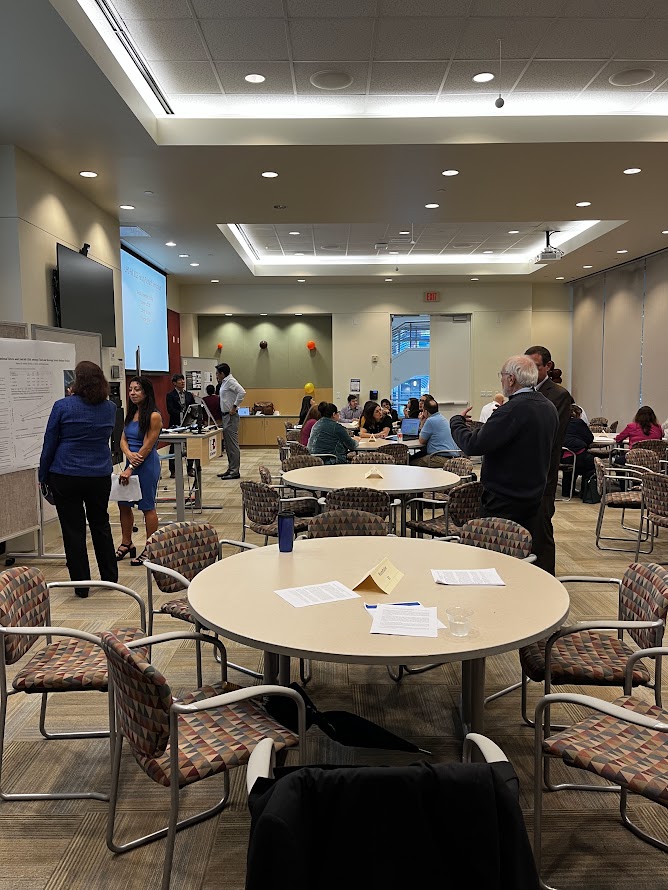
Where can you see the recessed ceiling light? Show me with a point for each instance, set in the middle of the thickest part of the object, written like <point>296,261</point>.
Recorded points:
<point>300,281</point>
<point>294,233</point>
<point>228,314</point>
<point>215,281</point>
<point>331,80</point>
<point>270,174</point>
<point>664,232</point>
<point>622,251</point>
<point>394,252</point>
<point>255,78</point>
<point>263,313</point>
<point>631,170</point>
<point>184,256</point>
<point>432,206</point>
<point>299,313</point>
<point>483,77</point>
<point>127,206</point>
<point>475,279</point>
<point>280,206</point>
<point>587,267</point>
<point>88,174</point>
<point>404,232</point>
<point>488,251</point>
<point>513,231</point>
<point>388,279</point>
<point>299,254</point>
<point>631,77</point>
<point>149,192</point>
<point>583,204</point>
<point>450,173</point>
<point>170,243</point>
<point>559,278</point>
<point>194,264</point>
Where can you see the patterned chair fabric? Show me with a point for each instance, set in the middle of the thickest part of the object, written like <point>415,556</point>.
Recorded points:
<point>298,461</point>
<point>367,499</point>
<point>24,602</point>
<point>655,496</point>
<point>643,457</point>
<point>613,426</point>
<point>618,751</point>
<point>397,451</point>
<point>292,436</point>
<point>598,421</point>
<point>460,466</point>
<point>597,658</point>
<point>186,547</point>
<point>297,448</point>
<point>501,535</point>
<point>337,523</point>
<point>210,741</point>
<point>261,505</point>
<point>624,500</point>
<point>370,457</point>
<point>299,509</point>
<point>597,428</point>
<point>265,475</point>
<point>463,505</point>
<point>656,445</point>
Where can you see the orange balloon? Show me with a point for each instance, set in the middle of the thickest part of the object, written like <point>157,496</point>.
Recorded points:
<point>310,344</point>
<point>220,346</point>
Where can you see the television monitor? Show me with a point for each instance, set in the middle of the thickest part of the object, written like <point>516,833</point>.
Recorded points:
<point>144,291</point>
<point>85,295</point>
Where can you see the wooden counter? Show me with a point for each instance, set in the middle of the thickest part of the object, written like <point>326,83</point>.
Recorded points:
<point>262,431</point>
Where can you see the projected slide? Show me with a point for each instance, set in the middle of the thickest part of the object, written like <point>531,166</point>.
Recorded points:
<point>144,314</point>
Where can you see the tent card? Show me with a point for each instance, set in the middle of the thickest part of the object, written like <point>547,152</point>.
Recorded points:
<point>382,578</point>
<point>373,473</point>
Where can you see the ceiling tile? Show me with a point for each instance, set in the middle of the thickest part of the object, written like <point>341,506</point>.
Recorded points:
<point>602,82</point>
<point>359,71</point>
<point>608,8</point>
<point>331,39</point>
<point>239,39</point>
<point>553,76</point>
<point>405,39</point>
<point>397,78</point>
<point>278,78</point>
<point>185,77</point>
<point>648,40</point>
<point>423,7</point>
<point>585,38</point>
<point>327,10</point>
<point>460,76</point>
<point>149,9</point>
<point>519,36</point>
<point>509,8</point>
<point>173,40</point>
<point>231,9</point>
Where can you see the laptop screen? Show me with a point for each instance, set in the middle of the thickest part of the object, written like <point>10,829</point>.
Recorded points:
<point>244,412</point>
<point>410,426</point>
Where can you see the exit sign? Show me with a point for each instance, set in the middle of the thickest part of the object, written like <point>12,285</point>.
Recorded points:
<point>432,296</point>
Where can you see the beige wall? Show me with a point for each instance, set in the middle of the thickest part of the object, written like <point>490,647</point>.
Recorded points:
<point>503,322</point>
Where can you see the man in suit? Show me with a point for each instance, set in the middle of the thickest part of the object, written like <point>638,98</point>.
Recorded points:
<point>178,401</point>
<point>543,540</point>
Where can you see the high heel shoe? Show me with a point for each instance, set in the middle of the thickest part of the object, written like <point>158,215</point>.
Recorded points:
<point>138,560</point>
<point>124,549</point>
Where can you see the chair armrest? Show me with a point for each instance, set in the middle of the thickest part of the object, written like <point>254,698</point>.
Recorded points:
<point>261,763</point>
<point>530,558</point>
<point>154,567</point>
<point>300,500</point>
<point>242,545</point>
<point>170,636</point>
<point>430,502</point>
<point>597,704</point>
<point>656,652</point>
<point>48,631</point>
<point>456,538</point>
<point>489,749</point>
<point>594,579</point>
<point>107,585</point>
<point>604,624</point>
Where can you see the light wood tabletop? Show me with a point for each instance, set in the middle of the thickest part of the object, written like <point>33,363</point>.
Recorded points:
<point>395,479</point>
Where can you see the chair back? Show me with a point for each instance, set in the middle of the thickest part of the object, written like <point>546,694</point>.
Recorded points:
<point>142,697</point>
<point>299,461</point>
<point>296,447</point>
<point>613,426</point>
<point>265,475</point>
<point>501,535</point>
<point>597,427</point>
<point>367,499</point>
<point>460,466</point>
<point>644,597</point>
<point>600,467</point>
<point>643,457</point>
<point>655,494</point>
<point>338,523</point>
<point>186,547</point>
<point>397,451</point>
<point>292,436</point>
<point>476,424</point>
<point>465,502</point>
<point>24,602</point>
<point>260,502</point>
<point>657,445</point>
<point>598,421</point>
<point>370,457</point>
<point>283,448</point>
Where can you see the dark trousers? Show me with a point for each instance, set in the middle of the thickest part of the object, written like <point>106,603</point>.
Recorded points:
<point>81,498</point>
<point>543,539</point>
<point>584,466</point>
<point>523,512</point>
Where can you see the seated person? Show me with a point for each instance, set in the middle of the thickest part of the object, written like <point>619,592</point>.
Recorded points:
<point>212,402</point>
<point>412,408</point>
<point>486,411</point>
<point>352,411</point>
<point>388,410</point>
<point>664,427</point>
<point>329,437</point>
<point>577,439</point>
<point>644,426</point>
<point>309,423</point>
<point>583,416</point>
<point>435,436</point>
<point>424,398</point>
<point>307,403</point>
<point>374,423</point>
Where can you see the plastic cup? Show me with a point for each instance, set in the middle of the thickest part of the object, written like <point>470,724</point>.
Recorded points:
<point>459,620</point>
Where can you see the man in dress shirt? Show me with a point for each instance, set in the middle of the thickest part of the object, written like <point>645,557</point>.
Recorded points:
<point>232,395</point>
<point>178,400</point>
<point>486,411</point>
<point>352,411</point>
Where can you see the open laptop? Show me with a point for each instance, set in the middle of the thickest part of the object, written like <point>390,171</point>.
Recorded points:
<point>410,428</point>
<point>244,412</point>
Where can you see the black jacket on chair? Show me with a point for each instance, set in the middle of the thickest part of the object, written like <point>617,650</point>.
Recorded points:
<point>394,828</point>
<point>174,405</point>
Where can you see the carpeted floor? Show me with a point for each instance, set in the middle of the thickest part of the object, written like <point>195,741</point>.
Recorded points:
<point>57,845</point>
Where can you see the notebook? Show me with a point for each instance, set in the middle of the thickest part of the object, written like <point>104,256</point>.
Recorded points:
<point>410,427</point>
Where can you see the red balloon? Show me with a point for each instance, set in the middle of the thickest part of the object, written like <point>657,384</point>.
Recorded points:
<point>220,346</point>
<point>310,344</point>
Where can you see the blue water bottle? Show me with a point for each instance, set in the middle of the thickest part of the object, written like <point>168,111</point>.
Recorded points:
<point>286,531</point>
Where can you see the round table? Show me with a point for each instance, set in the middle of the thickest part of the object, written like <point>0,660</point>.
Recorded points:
<point>396,480</point>
<point>236,598</point>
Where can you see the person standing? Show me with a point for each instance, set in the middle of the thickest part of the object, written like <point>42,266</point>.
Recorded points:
<point>143,425</point>
<point>543,542</point>
<point>232,395</point>
<point>178,400</point>
<point>212,402</point>
<point>516,443</point>
<point>76,464</point>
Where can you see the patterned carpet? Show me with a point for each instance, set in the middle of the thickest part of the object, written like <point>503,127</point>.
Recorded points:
<point>57,845</point>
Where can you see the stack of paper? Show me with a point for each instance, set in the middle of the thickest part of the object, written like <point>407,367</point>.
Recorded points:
<point>468,577</point>
<point>405,621</point>
<point>315,594</point>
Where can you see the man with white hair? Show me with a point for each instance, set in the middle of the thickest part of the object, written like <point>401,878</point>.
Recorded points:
<point>516,443</point>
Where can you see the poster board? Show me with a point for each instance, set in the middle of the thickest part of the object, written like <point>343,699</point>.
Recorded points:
<point>87,344</point>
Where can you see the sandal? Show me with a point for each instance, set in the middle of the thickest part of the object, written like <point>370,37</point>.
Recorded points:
<point>138,560</point>
<point>124,549</point>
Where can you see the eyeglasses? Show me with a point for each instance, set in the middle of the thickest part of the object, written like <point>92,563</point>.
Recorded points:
<point>503,374</point>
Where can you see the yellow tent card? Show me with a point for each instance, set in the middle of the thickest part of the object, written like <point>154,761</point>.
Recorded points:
<point>382,578</point>
<point>373,473</point>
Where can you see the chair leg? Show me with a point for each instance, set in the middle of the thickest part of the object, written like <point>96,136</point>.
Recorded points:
<point>397,677</point>
<point>92,734</point>
<point>643,835</point>
<point>198,656</point>
<point>305,673</point>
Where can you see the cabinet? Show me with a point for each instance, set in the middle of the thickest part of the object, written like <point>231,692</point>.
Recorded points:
<point>262,431</point>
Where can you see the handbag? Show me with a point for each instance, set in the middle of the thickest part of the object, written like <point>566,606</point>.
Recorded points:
<point>130,492</point>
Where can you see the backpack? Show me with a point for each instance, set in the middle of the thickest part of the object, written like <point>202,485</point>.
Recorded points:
<point>590,493</point>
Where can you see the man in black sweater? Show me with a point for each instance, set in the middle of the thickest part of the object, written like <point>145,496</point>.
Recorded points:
<point>516,443</point>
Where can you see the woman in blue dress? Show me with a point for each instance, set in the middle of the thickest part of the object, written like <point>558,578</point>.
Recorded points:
<point>143,425</point>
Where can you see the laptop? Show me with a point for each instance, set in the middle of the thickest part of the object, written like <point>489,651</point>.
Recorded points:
<point>244,412</point>
<point>410,428</point>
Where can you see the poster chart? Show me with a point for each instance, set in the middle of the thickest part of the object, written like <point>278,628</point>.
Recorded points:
<point>33,375</point>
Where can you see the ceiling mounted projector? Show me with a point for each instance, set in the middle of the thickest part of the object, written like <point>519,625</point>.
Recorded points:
<point>548,254</point>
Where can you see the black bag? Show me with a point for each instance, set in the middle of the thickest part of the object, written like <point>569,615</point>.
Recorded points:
<point>590,493</point>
